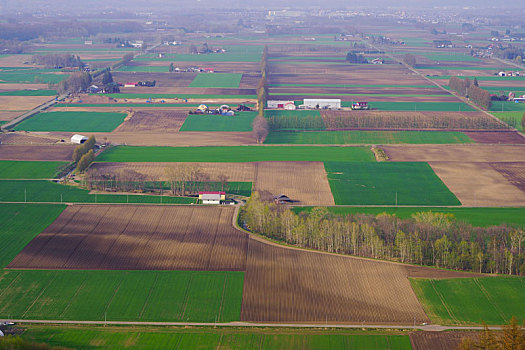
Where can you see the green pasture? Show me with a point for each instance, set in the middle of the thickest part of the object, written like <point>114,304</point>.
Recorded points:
<point>185,296</point>
<point>241,121</point>
<point>436,56</point>
<point>235,154</point>
<point>10,169</point>
<point>417,106</point>
<point>464,301</point>
<point>507,106</point>
<point>366,137</point>
<point>216,80</point>
<point>73,122</point>
<point>146,69</point>
<point>214,338</point>
<point>511,118</point>
<point>47,191</point>
<point>481,217</point>
<point>30,77</point>
<point>294,120</point>
<point>28,93</point>
<point>387,183</point>
<point>20,224</point>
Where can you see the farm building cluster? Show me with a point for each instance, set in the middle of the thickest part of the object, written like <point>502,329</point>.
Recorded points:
<point>222,110</point>
<point>314,104</point>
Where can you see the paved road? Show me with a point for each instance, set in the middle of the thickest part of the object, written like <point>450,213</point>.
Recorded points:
<point>429,328</point>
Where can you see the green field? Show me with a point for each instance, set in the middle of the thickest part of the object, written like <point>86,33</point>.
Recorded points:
<point>234,53</point>
<point>190,296</point>
<point>12,169</point>
<point>493,300</point>
<point>511,118</point>
<point>31,77</point>
<point>29,93</point>
<point>235,154</point>
<point>241,121</point>
<point>20,224</point>
<point>182,96</point>
<point>475,216</point>
<point>366,137</point>
<point>146,69</point>
<point>435,56</point>
<point>403,183</point>
<point>47,191</point>
<point>294,120</point>
<point>417,106</point>
<point>73,122</point>
<point>214,338</point>
<point>504,106</point>
<point>216,80</point>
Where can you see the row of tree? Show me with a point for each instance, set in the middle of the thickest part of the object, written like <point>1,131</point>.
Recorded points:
<point>83,154</point>
<point>427,238</point>
<point>58,61</point>
<point>260,124</point>
<point>75,83</point>
<point>470,89</point>
<point>352,57</point>
<point>511,338</point>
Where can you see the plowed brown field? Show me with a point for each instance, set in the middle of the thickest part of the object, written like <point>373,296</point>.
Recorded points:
<point>154,121</point>
<point>505,137</point>
<point>455,153</point>
<point>304,182</point>
<point>138,238</point>
<point>36,152</point>
<point>447,340</point>
<point>22,103</point>
<point>513,172</point>
<point>14,138</point>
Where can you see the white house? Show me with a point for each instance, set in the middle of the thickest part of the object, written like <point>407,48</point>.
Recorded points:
<point>322,103</point>
<point>212,197</point>
<point>78,139</point>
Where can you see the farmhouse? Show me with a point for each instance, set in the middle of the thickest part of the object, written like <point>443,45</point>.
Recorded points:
<point>322,103</point>
<point>212,197</point>
<point>289,105</point>
<point>78,139</point>
<point>282,199</point>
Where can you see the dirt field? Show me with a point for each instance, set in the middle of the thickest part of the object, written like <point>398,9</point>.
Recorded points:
<point>478,184</point>
<point>15,138</point>
<point>22,86</point>
<point>285,285</point>
<point>9,115</point>
<point>447,340</point>
<point>153,121</point>
<point>513,172</point>
<point>138,238</point>
<point>455,153</point>
<point>304,182</point>
<point>15,60</point>
<point>242,172</point>
<point>21,103</point>
<point>509,137</point>
<point>40,152</point>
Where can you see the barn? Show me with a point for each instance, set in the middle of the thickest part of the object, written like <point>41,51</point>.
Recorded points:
<point>212,197</point>
<point>289,105</point>
<point>78,139</point>
<point>313,103</point>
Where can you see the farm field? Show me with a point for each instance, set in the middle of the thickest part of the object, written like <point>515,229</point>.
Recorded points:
<point>410,183</point>
<point>474,216</point>
<point>507,106</point>
<point>511,118</point>
<point>146,69</point>
<point>28,93</point>
<point>493,300</point>
<point>194,296</point>
<point>21,103</point>
<point>294,120</point>
<point>138,238</point>
<point>154,121</point>
<point>29,169</point>
<point>418,106</point>
<point>366,137</point>
<point>27,152</point>
<point>30,77</point>
<point>242,121</point>
<point>216,80</point>
<point>209,338</point>
<point>47,191</point>
<point>73,122</point>
<point>235,154</point>
<point>20,224</point>
<point>182,96</point>
<point>234,53</point>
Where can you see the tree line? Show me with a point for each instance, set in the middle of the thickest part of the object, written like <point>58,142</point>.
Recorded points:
<point>83,154</point>
<point>75,83</point>
<point>471,90</point>
<point>58,61</point>
<point>260,124</point>
<point>427,238</point>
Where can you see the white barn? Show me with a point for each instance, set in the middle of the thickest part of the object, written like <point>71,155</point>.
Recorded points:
<point>289,105</point>
<point>212,197</point>
<point>78,139</point>
<point>322,103</point>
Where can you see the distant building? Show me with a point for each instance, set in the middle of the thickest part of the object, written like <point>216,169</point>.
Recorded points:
<point>212,197</point>
<point>289,105</point>
<point>131,84</point>
<point>282,199</point>
<point>360,105</point>
<point>78,139</point>
<point>312,103</point>
<point>88,42</point>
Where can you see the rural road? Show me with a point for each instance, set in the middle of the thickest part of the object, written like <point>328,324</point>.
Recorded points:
<point>428,328</point>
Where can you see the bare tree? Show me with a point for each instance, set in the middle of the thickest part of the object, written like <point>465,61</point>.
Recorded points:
<point>223,179</point>
<point>260,129</point>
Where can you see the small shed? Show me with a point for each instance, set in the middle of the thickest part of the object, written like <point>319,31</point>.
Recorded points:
<point>78,139</point>
<point>213,197</point>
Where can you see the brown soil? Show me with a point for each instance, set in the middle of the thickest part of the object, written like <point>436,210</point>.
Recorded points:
<point>455,153</point>
<point>242,172</point>
<point>15,138</point>
<point>513,172</point>
<point>478,184</point>
<point>446,340</point>
<point>508,137</point>
<point>15,61</point>
<point>154,121</point>
<point>36,152</point>
<point>21,103</point>
<point>23,86</point>
<point>138,238</point>
<point>304,182</point>
<point>162,80</point>
<point>9,115</point>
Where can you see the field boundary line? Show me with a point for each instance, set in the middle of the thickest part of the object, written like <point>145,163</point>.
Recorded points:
<point>9,286</point>
<point>39,295</point>
<point>442,299</point>
<point>489,298</point>
<point>149,295</point>
<point>113,296</point>
<point>186,294</point>
<point>219,314</point>
<point>73,297</point>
